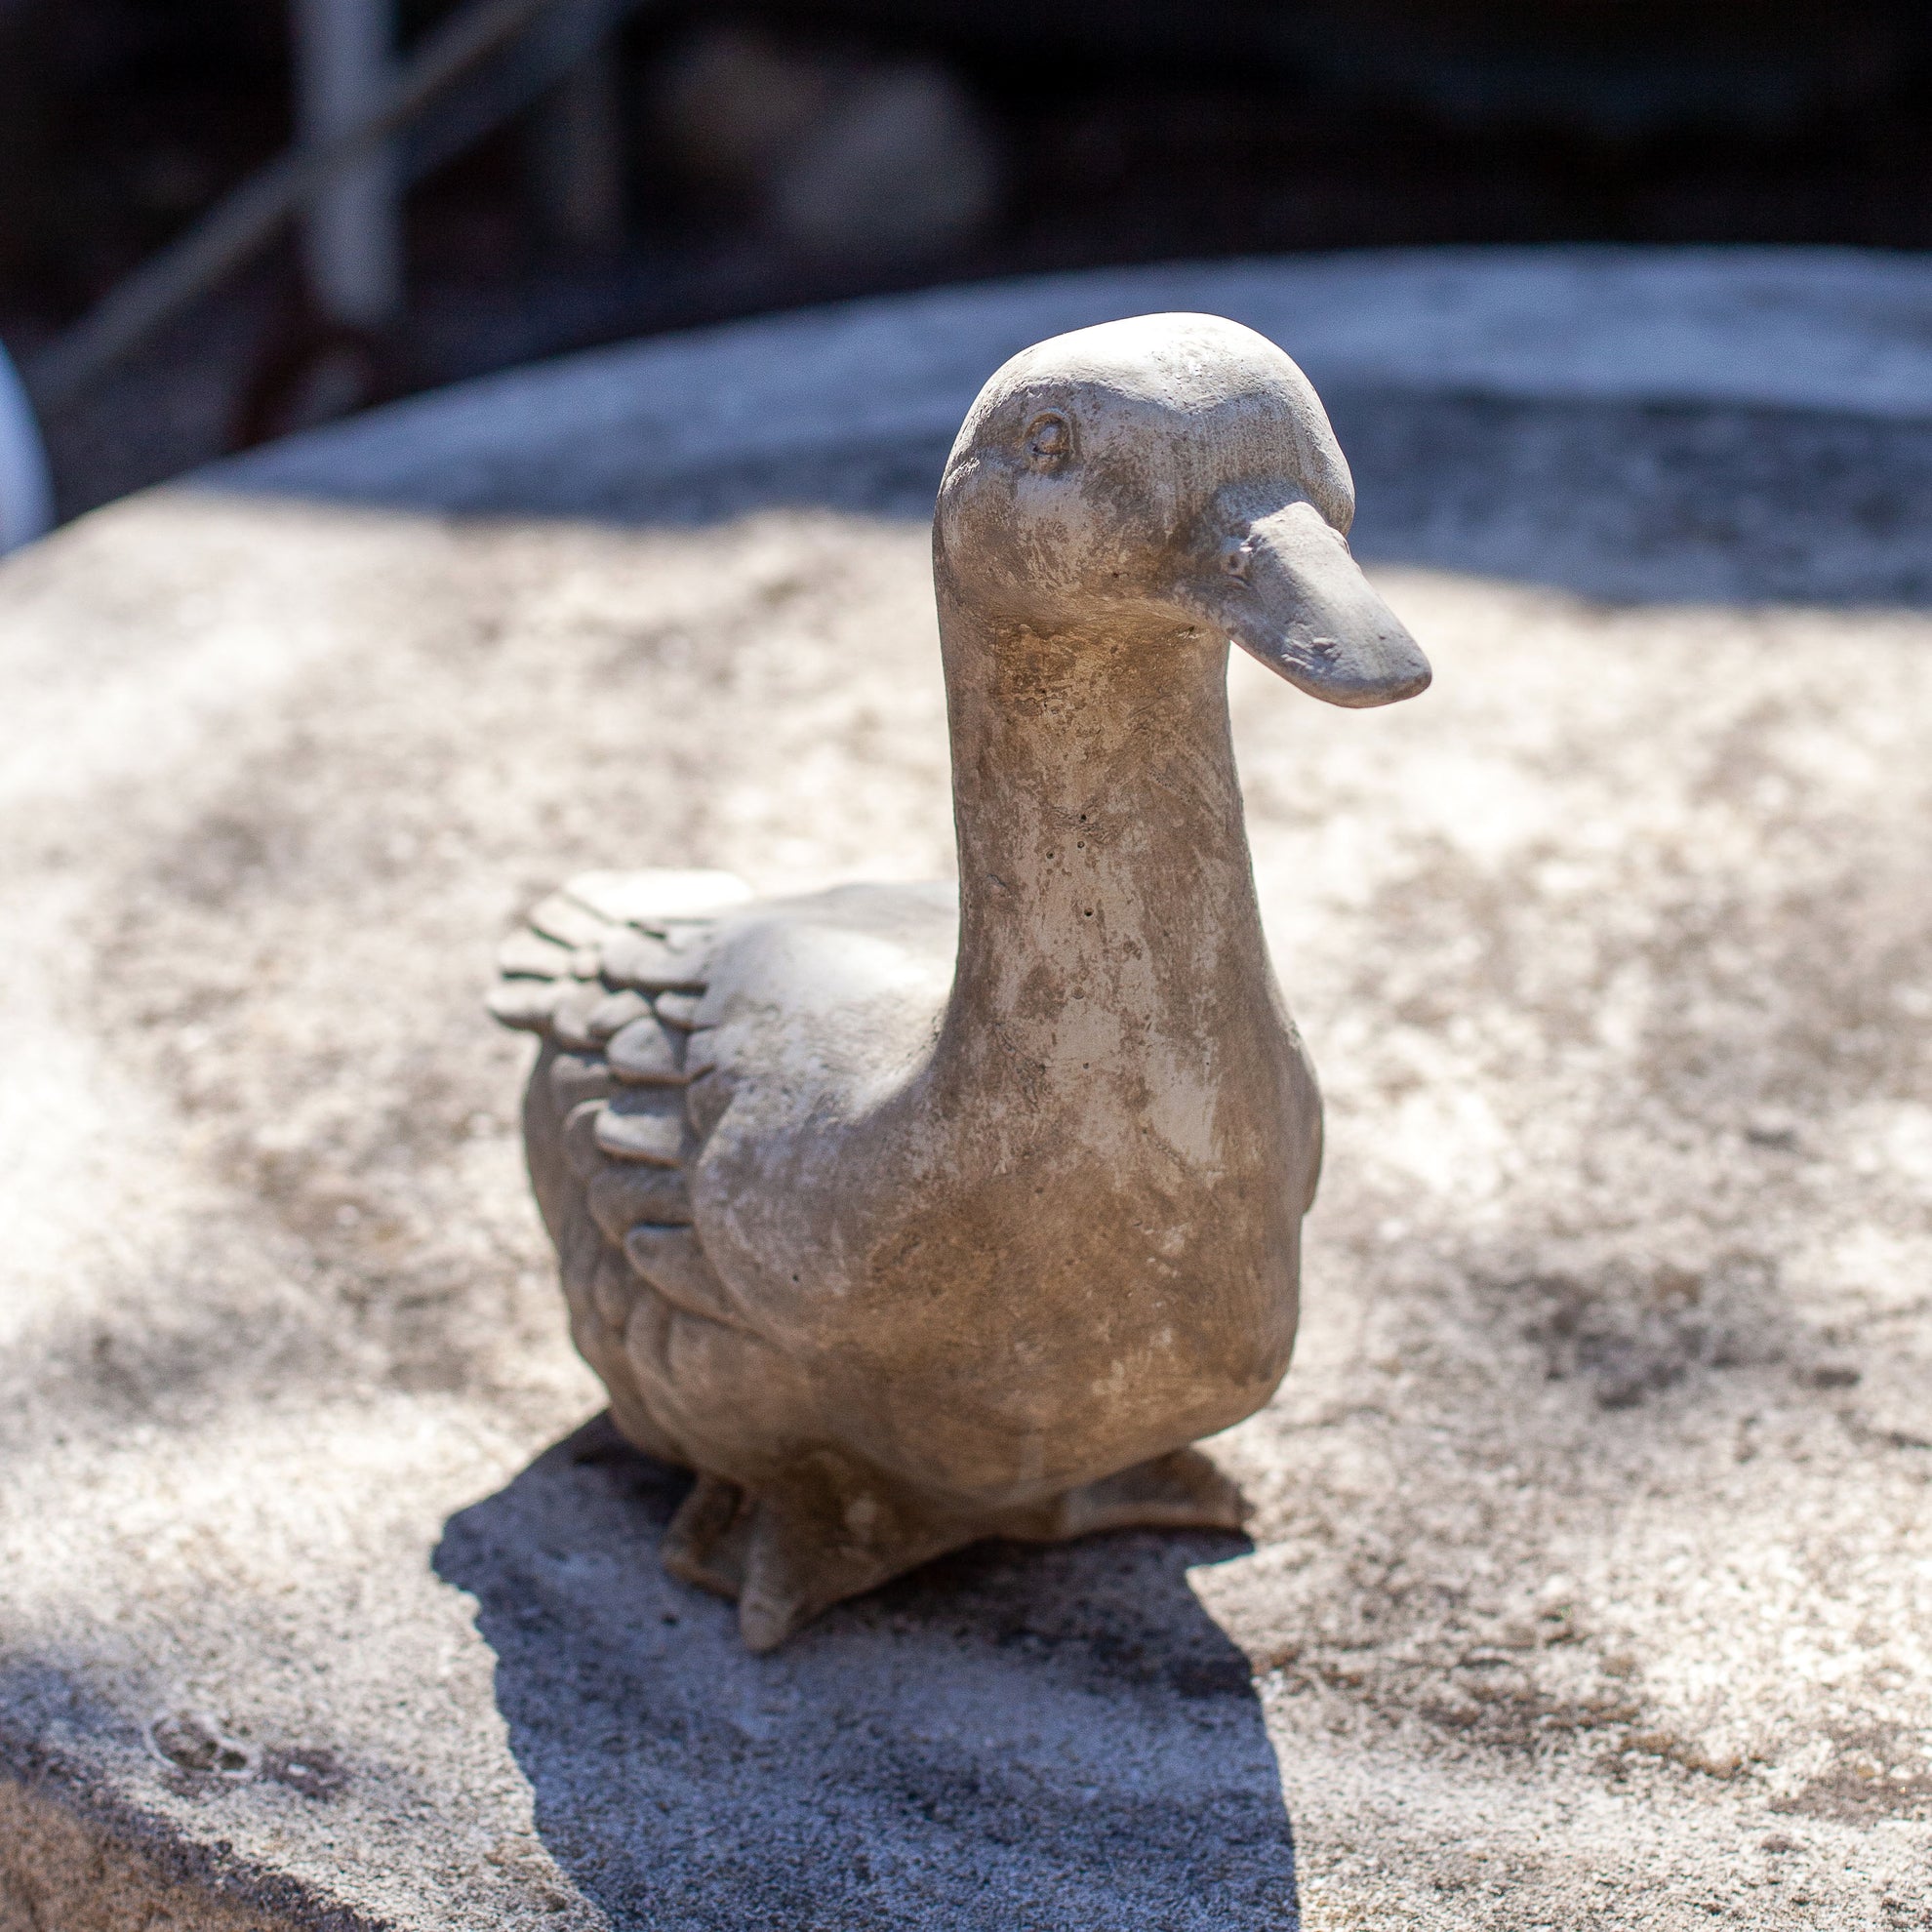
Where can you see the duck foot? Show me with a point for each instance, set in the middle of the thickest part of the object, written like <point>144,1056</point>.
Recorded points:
<point>824,1533</point>
<point>708,1537</point>
<point>1181,1490</point>
<point>808,1542</point>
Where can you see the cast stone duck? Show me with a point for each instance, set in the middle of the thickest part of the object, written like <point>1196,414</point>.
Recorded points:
<point>906,1218</point>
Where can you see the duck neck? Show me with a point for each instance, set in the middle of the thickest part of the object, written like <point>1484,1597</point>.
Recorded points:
<point>1109,924</point>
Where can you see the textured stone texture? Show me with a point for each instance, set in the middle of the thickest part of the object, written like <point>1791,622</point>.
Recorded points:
<point>1591,1579</point>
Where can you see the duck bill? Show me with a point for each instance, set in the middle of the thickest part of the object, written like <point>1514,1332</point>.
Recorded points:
<point>1303,608</point>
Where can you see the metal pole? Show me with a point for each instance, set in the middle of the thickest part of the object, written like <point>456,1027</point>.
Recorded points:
<point>352,241</point>
<point>248,217</point>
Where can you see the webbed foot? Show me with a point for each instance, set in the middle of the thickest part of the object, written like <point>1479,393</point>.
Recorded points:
<point>1181,1490</point>
<point>705,1545</point>
<point>809,1540</point>
<point>825,1531</point>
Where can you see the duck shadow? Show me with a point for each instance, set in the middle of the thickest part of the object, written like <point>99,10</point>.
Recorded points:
<point>1010,1738</point>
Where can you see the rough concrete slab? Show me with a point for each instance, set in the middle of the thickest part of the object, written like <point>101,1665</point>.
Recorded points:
<point>1592,1568</point>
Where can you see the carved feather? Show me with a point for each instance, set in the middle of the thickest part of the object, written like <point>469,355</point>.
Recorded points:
<point>645,1055</point>
<point>639,959</point>
<point>625,1194</point>
<point>645,899</point>
<point>528,955</point>
<point>677,1009</point>
<point>569,922</point>
<point>575,1077</point>
<point>524,1004</point>
<point>643,1123</point>
<point>672,1261</point>
<point>610,973</point>
<point>615,1011</point>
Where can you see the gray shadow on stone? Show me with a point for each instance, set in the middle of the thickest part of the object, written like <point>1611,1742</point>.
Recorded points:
<point>1646,502</point>
<point>1008,1739</point>
<point>1617,500</point>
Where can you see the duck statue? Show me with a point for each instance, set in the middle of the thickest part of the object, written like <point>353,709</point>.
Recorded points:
<point>903,1217</point>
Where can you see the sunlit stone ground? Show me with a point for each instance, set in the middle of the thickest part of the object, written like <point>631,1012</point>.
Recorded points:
<point>1592,1568</point>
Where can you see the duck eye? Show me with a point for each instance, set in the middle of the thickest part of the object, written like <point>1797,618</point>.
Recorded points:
<point>1049,437</point>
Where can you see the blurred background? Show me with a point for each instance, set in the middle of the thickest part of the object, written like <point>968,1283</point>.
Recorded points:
<point>582,170</point>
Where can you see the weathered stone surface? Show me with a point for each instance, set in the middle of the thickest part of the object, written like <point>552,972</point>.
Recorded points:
<point>1589,1583</point>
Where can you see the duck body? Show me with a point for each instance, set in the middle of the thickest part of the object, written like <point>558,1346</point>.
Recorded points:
<point>905,1216</point>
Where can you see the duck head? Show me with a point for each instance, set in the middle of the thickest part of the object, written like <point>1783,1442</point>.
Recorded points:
<point>1167,477</point>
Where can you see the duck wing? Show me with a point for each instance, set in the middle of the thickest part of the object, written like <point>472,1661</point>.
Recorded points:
<point>608,973</point>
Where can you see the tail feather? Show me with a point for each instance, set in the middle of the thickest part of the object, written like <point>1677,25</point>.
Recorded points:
<point>609,974</point>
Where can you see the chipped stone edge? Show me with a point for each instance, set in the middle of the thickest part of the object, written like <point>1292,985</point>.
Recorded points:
<point>110,1868</point>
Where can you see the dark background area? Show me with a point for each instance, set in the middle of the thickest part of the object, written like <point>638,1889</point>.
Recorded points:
<point>765,156</point>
